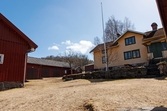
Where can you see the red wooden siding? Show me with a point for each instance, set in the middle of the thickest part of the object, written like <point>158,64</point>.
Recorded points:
<point>35,71</point>
<point>14,45</point>
<point>14,50</point>
<point>162,6</point>
<point>89,68</point>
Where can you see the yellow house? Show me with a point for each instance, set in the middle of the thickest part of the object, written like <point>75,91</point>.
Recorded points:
<point>131,48</point>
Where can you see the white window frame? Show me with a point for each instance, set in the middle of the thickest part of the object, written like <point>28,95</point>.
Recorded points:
<point>1,58</point>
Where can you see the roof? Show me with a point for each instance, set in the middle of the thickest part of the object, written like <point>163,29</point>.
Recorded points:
<point>101,46</point>
<point>113,43</point>
<point>90,64</point>
<point>126,32</point>
<point>12,26</point>
<point>39,61</point>
<point>157,33</point>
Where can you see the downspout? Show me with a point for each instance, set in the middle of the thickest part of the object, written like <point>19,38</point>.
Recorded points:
<point>25,64</point>
<point>25,67</point>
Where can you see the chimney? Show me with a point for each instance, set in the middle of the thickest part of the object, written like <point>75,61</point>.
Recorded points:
<point>118,35</point>
<point>154,26</point>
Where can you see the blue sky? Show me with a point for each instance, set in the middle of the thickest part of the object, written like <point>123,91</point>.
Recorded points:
<point>59,25</point>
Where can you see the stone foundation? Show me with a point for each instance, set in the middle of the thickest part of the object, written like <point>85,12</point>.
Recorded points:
<point>10,85</point>
<point>114,74</point>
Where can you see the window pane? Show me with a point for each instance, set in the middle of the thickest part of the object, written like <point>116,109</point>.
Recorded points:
<point>103,51</point>
<point>103,59</point>
<point>164,46</point>
<point>130,40</point>
<point>125,55</point>
<point>137,53</point>
<point>148,49</point>
<point>126,40</point>
<point>134,54</point>
<point>133,40</point>
<point>129,55</point>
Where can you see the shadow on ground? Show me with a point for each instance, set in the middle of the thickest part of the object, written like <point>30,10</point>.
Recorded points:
<point>105,80</point>
<point>161,108</point>
<point>161,78</point>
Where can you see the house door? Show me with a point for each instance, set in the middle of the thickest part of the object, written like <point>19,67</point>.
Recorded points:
<point>156,48</point>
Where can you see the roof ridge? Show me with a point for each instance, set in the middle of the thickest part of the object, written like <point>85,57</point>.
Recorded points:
<point>18,31</point>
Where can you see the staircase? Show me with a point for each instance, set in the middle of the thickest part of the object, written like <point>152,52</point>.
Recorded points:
<point>152,69</point>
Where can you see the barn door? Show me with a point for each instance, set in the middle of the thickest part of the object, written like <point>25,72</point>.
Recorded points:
<point>31,73</point>
<point>56,73</point>
<point>45,72</point>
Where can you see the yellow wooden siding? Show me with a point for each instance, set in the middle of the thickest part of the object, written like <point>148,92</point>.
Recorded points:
<point>118,52</point>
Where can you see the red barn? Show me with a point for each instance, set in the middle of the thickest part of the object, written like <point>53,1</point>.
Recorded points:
<point>14,47</point>
<point>89,67</point>
<point>38,68</point>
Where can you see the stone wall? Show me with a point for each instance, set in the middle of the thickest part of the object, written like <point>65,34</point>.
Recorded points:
<point>10,85</point>
<point>114,74</point>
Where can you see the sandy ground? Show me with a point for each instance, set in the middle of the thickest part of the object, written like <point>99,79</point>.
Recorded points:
<point>52,94</point>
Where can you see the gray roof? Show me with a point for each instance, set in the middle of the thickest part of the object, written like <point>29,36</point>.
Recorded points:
<point>47,62</point>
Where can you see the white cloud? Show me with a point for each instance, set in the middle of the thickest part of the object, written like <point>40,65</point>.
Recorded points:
<point>53,48</point>
<point>83,46</point>
<point>67,42</point>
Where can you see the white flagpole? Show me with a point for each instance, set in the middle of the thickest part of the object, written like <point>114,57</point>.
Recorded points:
<point>104,38</point>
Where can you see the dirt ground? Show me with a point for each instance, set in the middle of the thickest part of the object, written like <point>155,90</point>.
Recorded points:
<point>52,94</point>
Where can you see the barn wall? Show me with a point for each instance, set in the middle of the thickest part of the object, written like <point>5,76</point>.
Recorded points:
<point>14,50</point>
<point>89,68</point>
<point>35,71</point>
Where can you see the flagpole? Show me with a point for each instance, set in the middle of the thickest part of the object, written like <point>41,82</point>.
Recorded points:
<point>104,38</point>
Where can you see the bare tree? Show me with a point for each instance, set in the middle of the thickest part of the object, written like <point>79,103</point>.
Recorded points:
<point>72,58</point>
<point>115,28</point>
<point>97,40</point>
<point>69,57</point>
<point>112,56</point>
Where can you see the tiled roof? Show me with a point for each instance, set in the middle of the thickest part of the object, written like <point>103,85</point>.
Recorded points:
<point>46,62</point>
<point>101,46</point>
<point>158,33</point>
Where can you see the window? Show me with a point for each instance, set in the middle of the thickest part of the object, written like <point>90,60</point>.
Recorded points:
<point>132,54</point>
<point>164,47</point>
<point>135,53</point>
<point>1,58</point>
<point>104,60</point>
<point>149,49</point>
<point>103,51</point>
<point>127,55</point>
<point>130,40</point>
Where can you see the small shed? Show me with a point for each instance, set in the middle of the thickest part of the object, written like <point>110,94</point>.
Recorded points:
<point>89,67</point>
<point>14,48</point>
<point>77,70</point>
<point>38,68</point>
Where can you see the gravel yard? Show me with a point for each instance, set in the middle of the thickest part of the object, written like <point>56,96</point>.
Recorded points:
<point>52,94</point>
